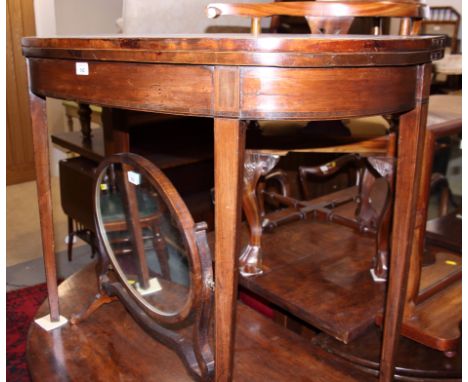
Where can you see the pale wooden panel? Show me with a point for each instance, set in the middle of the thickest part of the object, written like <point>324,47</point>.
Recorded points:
<point>20,155</point>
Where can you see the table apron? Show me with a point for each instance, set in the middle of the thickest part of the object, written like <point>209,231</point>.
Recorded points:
<point>256,92</point>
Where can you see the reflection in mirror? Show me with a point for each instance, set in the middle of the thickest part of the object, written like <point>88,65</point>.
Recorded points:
<point>143,240</point>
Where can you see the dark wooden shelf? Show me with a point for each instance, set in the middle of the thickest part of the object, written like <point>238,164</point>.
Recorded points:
<point>437,316</point>
<point>163,155</point>
<point>110,346</point>
<point>319,272</point>
<point>437,319</point>
<point>73,140</point>
<point>413,360</point>
<point>175,158</point>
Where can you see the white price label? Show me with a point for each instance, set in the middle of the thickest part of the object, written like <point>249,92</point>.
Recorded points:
<point>134,178</point>
<point>82,68</point>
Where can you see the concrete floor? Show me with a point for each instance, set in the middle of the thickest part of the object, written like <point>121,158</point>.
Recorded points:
<point>23,240</point>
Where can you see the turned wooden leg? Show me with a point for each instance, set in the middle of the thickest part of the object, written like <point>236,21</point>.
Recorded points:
<point>255,166</point>
<point>70,123</point>
<point>84,112</point>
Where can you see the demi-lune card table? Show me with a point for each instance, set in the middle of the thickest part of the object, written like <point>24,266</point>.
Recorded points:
<point>233,78</point>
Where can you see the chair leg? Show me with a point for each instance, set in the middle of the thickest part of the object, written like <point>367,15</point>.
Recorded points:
<point>92,243</point>
<point>71,235</point>
<point>385,168</point>
<point>255,166</point>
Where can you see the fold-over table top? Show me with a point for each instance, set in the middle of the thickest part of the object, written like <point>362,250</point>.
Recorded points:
<point>243,49</point>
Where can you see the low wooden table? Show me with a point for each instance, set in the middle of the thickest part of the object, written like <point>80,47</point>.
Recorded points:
<point>233,78</point>
<point>112,347</point>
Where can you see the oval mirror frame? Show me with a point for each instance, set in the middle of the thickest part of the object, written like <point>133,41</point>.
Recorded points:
<point>182,218</point>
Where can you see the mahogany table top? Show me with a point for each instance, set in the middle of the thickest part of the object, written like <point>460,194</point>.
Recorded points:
<point>244,49</point>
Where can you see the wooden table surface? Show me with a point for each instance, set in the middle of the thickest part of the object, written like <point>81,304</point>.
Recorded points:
<point>232,78</point>
<point>112,347</point>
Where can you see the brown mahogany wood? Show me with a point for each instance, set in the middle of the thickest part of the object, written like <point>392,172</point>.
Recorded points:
<point>194,312</point>
<point>321,9</point>
<point>332,17</point>
<point>256,165</point>
<point>84,114</point>
<point>410,145</point>
<point>164,159</point>
<point>444,322</point>
<point>95,305</point>
<point>115,129</point>
<point>199,276</point>
<point>433,132</point>
<point>414,362</point>
<point>41,154</point>
<point>310,267</point>
<point>93,149</point>
<point>229,165</point>
<point>436,321</point>
<point>244,50</point>
<point>328,17</point>
<point>130,205</point>
<point>445,270</point>
<point>260,88</point>
<point>369,217</point>
<point>111,346</point>
<point>124,72</point>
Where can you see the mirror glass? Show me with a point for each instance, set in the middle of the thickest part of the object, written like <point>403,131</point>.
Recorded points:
<point>142,238</point>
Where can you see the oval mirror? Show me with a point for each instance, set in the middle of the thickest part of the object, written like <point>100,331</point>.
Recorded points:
<point>147,234</point>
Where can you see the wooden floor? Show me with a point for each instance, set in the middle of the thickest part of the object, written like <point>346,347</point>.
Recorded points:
<point>110,346</point>
<point>319,272</point>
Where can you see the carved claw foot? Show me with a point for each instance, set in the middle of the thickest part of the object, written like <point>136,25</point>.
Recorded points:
<point>250,261</point>
<point>380,270</point>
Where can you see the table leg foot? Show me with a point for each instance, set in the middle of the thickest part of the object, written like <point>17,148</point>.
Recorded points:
<point>47,324</point>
